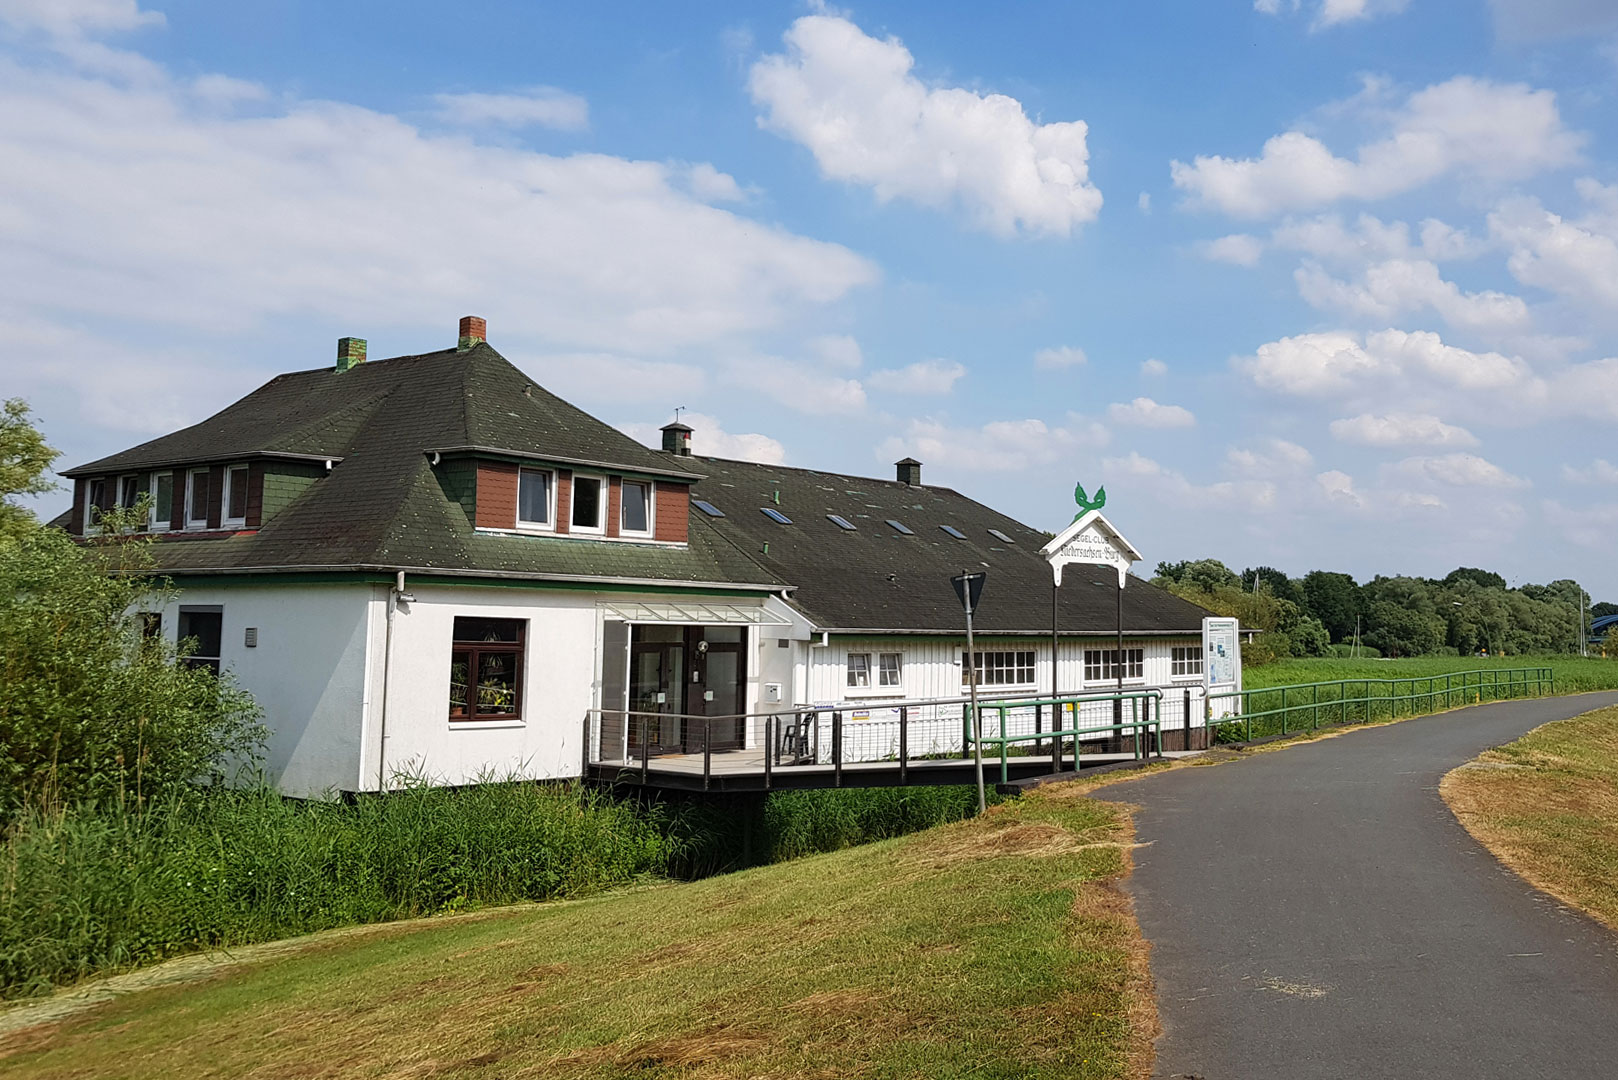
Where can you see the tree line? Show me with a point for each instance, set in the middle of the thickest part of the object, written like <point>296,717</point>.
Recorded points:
<point>1468,612</point>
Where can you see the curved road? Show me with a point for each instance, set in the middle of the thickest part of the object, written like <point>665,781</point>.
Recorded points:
<point>1318,912</point>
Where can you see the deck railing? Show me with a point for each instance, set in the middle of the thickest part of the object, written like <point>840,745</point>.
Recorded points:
<point>899,733</point>
<point>1282,710</point>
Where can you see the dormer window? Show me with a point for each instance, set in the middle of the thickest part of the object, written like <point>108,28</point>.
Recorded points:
<point>635,518</point>
<point>589,504</point>
<point>196,499</point>
<point>162,500</point>
<point>235,500</point>
<point>536,499</point>
<point>95,497</point>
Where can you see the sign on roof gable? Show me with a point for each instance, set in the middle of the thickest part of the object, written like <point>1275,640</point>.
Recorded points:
<point>1093,541</point>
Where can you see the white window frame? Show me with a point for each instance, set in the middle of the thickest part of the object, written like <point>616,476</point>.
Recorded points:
<point>191,520</point>
<point>898,671</point>
<point>133,479</point>
<point>91,527</point>
<point>1183,664</point>
<point>225,520</point>
<point>1108,669</point>
<point>550,503</point>
<point>1015,666</point>
<point>600,527</point>
<point>651,508</point>
<point>855,674</point>
<point>166,521</point>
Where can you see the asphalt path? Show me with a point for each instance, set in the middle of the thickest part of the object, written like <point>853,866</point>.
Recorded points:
<point>1318,912</point>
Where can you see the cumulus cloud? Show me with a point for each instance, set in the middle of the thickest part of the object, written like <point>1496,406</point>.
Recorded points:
<point>1144,412</point>
<point>1238,249</point>
<point>1370,239</point>
<point>1576,259</point>
<point>856,104</point>
<point>1063,356</point>
<point>1338,487</point>
<point>799,387</point>
<point>1390,290</point>
<point>69,18</point>
<point>1172,486</point>
<point>1400,429</point>
<point>1328,13</point>
<point>922,377</point>
<point>1154,368</point>
<point>998,446</point>
<point>541,106</point>
<point>1328,363</point>
<point>1465,127</point>
<point>1599,471</point>
<point>1270,458</point>
<point>1458,470</point>
<point>1538,20</point>
<point>710,439</point>
<point>837,351</point>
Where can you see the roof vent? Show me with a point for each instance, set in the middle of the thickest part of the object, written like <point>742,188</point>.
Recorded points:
<point>474,331</point>
<point>909,471</point>
<point>677,439</point>
<point>350,352</point>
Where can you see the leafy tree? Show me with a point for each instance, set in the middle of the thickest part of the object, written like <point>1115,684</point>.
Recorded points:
<point>1398,630</point>
<point>1205,575</point>
<point>1334,599</point>
<point>1605,607</point>
<point>1486,579</point>
<point>1276,581</point>
<point>24,459</point>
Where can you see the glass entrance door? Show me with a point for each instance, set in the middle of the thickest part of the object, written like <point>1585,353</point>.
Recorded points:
<point>718,685</point>
<point>656,687</point>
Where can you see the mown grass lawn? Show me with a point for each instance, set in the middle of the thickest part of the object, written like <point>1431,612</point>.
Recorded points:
<point>1547,806</point>
<point>1573,674</point>
<point>992,948</point>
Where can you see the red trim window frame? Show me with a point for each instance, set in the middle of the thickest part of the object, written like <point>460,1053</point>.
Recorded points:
<point>486,669</point>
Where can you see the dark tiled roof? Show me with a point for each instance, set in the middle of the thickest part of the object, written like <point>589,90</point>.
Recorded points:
<point>877,578</point>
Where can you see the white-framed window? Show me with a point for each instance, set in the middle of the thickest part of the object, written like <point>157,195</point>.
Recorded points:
<point>128,491</point>
<point>162,500</point>
<point>1186,660</point>
<point>1007,668</point>
<point>1101,665</point>
<point>95,497</point>
<point>859,671</point>
<point>536,499</point>
<point>890,670</point>
<point>235,497</point>
<point>635,508</point>
<point>589,510</point>
<point>196,498</point>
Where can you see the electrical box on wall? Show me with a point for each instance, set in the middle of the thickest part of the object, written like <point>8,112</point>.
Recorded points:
<point>772,693</point>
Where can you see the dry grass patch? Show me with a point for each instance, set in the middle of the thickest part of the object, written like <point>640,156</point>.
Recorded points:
<point>1547,806</point>
<point>998,947</point>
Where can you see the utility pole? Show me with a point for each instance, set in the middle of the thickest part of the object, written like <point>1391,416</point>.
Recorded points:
<point>969,587</point>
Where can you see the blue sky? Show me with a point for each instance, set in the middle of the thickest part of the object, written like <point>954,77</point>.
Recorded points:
<point>1318,284</point>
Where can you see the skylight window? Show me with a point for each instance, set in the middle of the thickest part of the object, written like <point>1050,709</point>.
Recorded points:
<point>775,515</point>
<point>998,535</point>
<point>953,531</point>
<point>707,507</point>
<point>900,527</point>
<point>840,521</point>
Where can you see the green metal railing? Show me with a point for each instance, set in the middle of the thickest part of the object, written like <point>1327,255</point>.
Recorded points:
<point>1145,723</point>
<point>1282,710</point>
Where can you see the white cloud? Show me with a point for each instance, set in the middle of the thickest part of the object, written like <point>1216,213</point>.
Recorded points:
<point>1458,470</point>
<point>1328,363</point>
<point>922,377</point>
<point>71,18</point>
<point>1330,13</point>
<point>1310,364</point>
<point>1464,127</point>
<point>710,439</point>
<point>1338,487</point>
<point>837,351</point>
<point>1400,429</point>
<point>1388,290</point>
<point>1144,202</point>
<point>1062,356</point>
<point>998,446</point>
<point>1599,471</point>
<point>1270,459</point>
<point>1238,249</point>
<point>211,221</point>
<point>710,185</point>
<point>1172,486</point>
<point>1370,239</point>
<point>583,375</point>
<point>855,102</point>
<point>541,106</point>
<point>1587,526</point>
<point>1537,20</point>
<point>1154,368</point>
<point>1576,259</point>
<point>1144,412</point>
<point>799,387</point>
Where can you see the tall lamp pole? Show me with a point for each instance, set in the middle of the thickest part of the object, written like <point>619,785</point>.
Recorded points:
<point>969,587</point>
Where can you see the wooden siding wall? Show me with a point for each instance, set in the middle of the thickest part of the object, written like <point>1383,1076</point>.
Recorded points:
<point>673,508</point>
<point>564,500</point>
<point>496,495</point>
<point>615,502</point>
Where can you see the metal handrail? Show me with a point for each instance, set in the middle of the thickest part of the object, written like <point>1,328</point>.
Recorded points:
<point>1151,726</point>
<point>1541,678</point>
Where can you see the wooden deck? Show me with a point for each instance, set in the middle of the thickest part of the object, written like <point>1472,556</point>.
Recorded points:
<point>744,770</point>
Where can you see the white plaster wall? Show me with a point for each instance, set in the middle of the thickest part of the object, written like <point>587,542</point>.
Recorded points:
<point>307,673</point>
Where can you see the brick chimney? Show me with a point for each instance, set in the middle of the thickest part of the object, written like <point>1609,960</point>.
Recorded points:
<point>909,471</point>
<point>350,352</point>
<point>677,439</point>
<point>474,331</point>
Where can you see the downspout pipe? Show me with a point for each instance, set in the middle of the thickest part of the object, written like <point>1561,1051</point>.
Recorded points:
<point>387,664</point>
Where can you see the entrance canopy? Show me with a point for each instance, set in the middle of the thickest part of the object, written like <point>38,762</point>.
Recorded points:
<point>690,611</point>
<point>1091,540</point>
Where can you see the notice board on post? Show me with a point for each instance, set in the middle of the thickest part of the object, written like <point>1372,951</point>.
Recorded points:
<point>1222,663</point>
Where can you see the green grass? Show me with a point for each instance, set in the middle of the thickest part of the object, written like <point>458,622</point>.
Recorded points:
<point>1573,674</point>
<point>990,948</point>
<point>1547,806</point>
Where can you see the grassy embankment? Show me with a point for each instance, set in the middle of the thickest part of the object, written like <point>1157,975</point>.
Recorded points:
<point>1573,674</point>
<point>1547,806</point>
<point>991,948</point>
